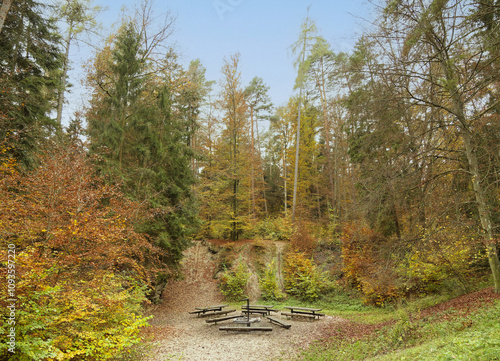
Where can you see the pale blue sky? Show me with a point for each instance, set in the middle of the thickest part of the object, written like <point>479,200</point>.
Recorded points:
<point>261,31</point>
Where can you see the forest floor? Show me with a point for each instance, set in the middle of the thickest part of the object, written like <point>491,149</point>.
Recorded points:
<point>177,335</point>
<point>181,336</point>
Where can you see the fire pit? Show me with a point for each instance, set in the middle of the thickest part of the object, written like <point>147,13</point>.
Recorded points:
<point>246,320</point>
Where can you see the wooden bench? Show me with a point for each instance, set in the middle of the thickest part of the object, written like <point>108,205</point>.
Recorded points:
<point>261,312</point>
<point>216,313</point>
<point>260,309</point>
<point>211,308</point>
<point>278,322</point>
<point>290,314</point>
<point>245,329</point>
<point>219,319</point>
<point>303,311</point>
<point>204,310</point>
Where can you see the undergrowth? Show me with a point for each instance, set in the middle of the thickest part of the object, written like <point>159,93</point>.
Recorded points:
<point>444,336</point>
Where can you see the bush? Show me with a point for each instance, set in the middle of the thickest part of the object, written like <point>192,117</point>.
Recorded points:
<point>302,240</point>
<point>302,278</point>
<point>80,265</point>
<point>92,319</point>
<point>233,283</point>
<point>367,265</point>
<point>269,284</point>
<point>445,256</point>
<point>276,229</point>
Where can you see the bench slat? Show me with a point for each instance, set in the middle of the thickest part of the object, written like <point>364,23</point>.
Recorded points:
<point>258,306</point>
<point>218,319</point>
<point>245,329</point>
<point>225,312</point>
<point>279,322</point>
<point>260,309</point>
<point>262,312</point>
<point>303,308</point>
<point>218,307</point>
<point>310,315</point>
<point>307,313</point>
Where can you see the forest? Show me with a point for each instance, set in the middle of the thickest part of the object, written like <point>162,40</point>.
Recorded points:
<point>381,174</point>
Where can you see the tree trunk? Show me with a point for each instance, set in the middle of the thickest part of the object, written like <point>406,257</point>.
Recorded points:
<point>484,213</point>
<point>3,12</point>
<point>482,206</point>
<point>252,162</point>
<point>284,177</point>
<point>62,90</point>
<point>297,153</point>
<point>326,129</point>
<point>234,231</point>
<point>262,168</point>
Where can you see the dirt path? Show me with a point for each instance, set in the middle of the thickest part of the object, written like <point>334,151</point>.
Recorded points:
<point>180,336</point>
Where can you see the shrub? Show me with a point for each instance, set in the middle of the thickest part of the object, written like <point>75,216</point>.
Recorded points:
<point>233,283</point>
<point>269,284</point>
<point>92,319</point>
<point>302,240</point>
<point>276,229</point>
<point>445,253</point>
<point>367,266</point>
<point>302,278</point>
<point>79,261</point>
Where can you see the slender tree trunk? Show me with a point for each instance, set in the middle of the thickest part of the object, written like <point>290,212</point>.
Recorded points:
<point>234,235</point>
<point>326,131</point>
<point>463,124</point>
<point>262,168</point>
<point>3,12</point>
<point>483,209</point>
<point>285,175</point>
<point>62,90</point>
<point>297,153</point>
<point>252,162</point>
<point>484,213</point>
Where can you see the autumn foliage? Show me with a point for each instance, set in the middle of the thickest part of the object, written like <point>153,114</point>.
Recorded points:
<point>302,278</point>
<point>82,270</point>
<point>366,267</point>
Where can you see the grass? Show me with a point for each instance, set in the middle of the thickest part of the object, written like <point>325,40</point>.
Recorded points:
<point>475,337</point>
<point>342,305</point>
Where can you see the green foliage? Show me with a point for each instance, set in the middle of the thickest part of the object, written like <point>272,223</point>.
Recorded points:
<point>141,124</point>
<point>276,229</point>
<point>91,319</point>
<point>233,283</point>
<point>302,278</point>
<point>447,253</point>
<point>269,284</point>
<point>30,58</point>
<point>472,337</point>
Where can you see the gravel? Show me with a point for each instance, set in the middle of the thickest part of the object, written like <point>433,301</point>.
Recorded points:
<point>181,336</point>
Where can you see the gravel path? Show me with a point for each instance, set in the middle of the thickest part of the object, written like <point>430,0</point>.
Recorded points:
<point>181,336</point>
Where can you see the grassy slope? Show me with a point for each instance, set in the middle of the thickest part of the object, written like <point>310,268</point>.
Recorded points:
<point>467,328</point>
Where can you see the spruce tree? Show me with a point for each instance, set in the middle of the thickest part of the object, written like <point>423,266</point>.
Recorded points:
<point>141,122</point>
<point>30,60</point>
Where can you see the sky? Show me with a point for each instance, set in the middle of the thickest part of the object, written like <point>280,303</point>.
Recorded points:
<point>260,31</point>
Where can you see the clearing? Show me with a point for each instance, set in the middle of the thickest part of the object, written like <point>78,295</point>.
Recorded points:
<point>181,336</point>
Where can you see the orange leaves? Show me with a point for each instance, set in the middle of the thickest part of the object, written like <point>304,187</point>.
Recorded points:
<point>81,265</point>
<point>65,209</point>
<point>366,266</point>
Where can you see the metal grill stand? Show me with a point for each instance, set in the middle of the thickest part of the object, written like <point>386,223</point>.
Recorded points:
<point>246,320</point>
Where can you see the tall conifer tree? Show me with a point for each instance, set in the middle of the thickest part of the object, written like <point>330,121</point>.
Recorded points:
<point>30,59</point>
